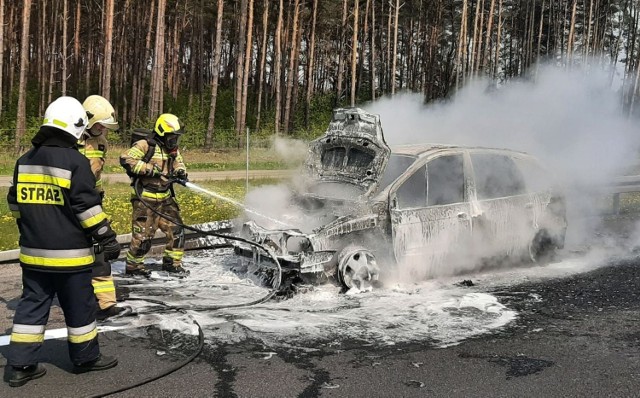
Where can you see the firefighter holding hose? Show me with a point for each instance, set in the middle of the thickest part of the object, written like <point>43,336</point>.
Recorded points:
<point>152,163</point>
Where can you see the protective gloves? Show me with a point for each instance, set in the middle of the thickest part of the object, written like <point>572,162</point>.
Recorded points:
<point>181,174</point>
<point>106,238</point>
<point>154,172</point>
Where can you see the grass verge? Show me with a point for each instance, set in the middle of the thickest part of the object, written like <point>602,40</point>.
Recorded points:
<point>196,208</point>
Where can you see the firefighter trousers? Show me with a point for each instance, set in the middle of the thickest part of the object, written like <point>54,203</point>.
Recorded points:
<point>103,285</point>
<point>144,225</point>
<point>78,304</point>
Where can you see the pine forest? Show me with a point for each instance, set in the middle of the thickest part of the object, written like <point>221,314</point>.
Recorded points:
<point>281,66</point>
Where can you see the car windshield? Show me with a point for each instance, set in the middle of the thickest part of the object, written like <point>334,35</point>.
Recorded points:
<point>396,165</point>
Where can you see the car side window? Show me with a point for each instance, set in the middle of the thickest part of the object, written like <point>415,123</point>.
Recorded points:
<point>496,176</point>
<point>413,191</point>
<point>445,180</point>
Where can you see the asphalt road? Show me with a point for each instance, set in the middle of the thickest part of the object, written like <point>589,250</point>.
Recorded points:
<point>574,337</point>
<point>5,181</point>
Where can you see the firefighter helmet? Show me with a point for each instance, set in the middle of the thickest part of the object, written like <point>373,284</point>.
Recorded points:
<point>168,123</point>
<point>169,129</point>
<point>67,114</point>
<point>100,110</point>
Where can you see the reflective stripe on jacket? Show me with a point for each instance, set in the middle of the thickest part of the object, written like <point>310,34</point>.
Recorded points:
<point>153,188</point>
<point>57,205</point>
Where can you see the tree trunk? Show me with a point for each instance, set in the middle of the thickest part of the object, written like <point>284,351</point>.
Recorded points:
<point>395,48</point>
<point>76,45</point>
<point>572,29</point>
<point>242,23</point>
<point>247,65</point>
<point>65,17</point>
<point>341,49</point>
<point>263,58</point>
<point>208,143</point>
<point>108,49</point>
<point>41,53</point>
<point>278,68</point>
<point>496,65</point>
<point>373,50</point>
<point>363,47</point>
<point>539,37</point>
<point>157,90</point>
<point>52,57</point>
<point>462,42</point>
<point>292,75</point>
<point>476,36</point>
<point>2,74</point>
<point>21,121</point>
<point>354,52</point>
<point>310,65</point>
<point>487,43</point>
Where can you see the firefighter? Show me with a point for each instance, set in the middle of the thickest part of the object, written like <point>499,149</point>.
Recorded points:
<point>59,216</point>
<point>93,144</point>
<point>152,162</point>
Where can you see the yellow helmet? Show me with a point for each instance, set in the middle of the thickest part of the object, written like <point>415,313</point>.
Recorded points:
<point>168,123</point>
<point>99,110</point>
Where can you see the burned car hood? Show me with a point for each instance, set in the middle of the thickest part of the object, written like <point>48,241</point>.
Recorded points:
<point>349,159</point>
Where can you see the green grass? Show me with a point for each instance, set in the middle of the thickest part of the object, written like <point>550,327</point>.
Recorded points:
<point>196,208</point>
<point>196,160</point>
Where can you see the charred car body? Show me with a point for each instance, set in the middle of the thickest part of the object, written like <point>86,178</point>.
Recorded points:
<point>432,209</point>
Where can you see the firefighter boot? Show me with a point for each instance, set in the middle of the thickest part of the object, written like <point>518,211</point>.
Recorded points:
<point>103,362</point>
<point>169,266</point>
<point>20,375</point>
<point>137,270</point>
<point>112,312</point>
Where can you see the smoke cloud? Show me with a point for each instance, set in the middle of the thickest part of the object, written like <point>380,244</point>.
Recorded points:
<point>569,119</point>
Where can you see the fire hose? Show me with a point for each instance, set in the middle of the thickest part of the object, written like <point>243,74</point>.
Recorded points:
<point>171,307</point>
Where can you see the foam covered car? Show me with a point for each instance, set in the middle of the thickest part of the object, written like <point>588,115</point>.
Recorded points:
<point>424,209</point>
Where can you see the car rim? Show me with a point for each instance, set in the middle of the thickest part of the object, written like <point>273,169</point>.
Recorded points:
<point>357,268</point>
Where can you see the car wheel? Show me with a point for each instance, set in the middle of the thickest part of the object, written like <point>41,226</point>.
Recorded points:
<point>542,248</point>
<point>357,267</point>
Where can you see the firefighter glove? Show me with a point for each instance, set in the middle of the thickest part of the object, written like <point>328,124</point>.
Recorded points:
<point>155,172</point>
<point>181,174</point>
<point>106,238</point>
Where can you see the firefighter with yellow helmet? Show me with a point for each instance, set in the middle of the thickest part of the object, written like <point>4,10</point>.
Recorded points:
<point>59,216</point>
<point>93,144</point>
<point>149,162</point>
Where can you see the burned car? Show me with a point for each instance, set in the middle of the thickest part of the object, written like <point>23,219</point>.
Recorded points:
<point>431,209</point>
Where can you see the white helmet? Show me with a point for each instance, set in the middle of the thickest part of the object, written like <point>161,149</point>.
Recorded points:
<point>67,114</point>
<point>100,110</point>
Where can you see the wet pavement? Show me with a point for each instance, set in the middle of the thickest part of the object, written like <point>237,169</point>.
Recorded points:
<point>575,334</point>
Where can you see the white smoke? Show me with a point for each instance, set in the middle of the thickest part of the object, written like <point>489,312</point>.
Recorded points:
<point>570,119</point>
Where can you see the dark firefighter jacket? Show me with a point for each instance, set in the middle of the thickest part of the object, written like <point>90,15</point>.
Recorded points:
<point>56,205</point>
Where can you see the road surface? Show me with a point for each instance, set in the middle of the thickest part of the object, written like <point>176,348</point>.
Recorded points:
<point>574,336</point>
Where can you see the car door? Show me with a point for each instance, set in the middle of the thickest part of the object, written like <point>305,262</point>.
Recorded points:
<point>430,218</point>
<point>503,226</point>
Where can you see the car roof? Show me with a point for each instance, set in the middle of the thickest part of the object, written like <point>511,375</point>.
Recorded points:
<point>422,150</point>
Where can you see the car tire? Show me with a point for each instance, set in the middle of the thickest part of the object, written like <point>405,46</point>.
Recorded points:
<point>357,268</point>
<point>542,248</point>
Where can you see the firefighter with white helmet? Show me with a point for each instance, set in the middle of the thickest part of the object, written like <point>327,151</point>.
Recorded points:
<point>150,161</point>
<point>53,196</point>
<point>93,144</point>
